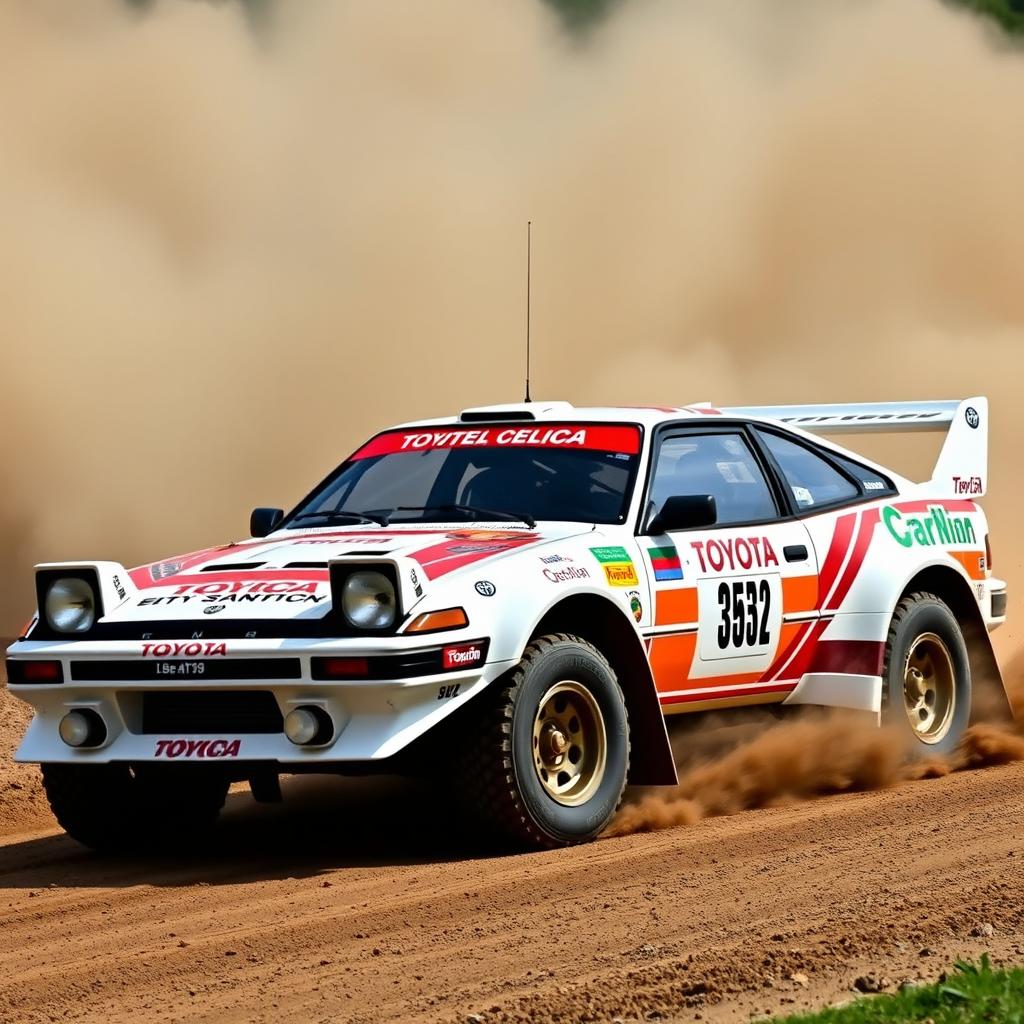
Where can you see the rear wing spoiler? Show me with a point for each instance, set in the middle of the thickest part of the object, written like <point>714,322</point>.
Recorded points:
<point>962,466</point>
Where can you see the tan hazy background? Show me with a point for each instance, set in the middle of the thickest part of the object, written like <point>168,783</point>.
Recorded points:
<point>226,258</point>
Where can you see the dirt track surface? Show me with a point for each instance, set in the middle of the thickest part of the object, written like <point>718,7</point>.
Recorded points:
<point>358,902</point>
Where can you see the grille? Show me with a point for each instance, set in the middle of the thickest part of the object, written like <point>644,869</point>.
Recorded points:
<point>210,712</point>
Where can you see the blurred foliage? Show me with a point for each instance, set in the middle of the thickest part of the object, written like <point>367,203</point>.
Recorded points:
<point>581,14</point>
<point>1009,13</point>
<point>578,15</point>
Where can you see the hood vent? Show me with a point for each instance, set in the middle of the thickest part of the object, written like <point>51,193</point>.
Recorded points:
<point>232,566</point>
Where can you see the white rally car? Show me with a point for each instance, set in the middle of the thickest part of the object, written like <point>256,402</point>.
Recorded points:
<point>517,596</point>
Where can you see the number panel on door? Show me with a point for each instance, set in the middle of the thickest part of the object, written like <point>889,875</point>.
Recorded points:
<point>740,617</point>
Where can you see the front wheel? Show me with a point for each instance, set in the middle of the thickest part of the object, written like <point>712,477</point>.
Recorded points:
<point>927,675</point>
<point>551,754</point>
<point>120,807</point>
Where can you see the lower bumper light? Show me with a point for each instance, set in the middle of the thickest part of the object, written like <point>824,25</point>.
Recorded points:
<point>82,728</point>
<point>308,726</point>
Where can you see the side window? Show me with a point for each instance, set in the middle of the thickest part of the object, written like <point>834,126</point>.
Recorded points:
<point>718,464</point>
<point>811,480</point>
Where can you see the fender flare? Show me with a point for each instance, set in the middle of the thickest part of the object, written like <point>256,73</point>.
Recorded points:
<point>600,621</point>
<point>990,702</point>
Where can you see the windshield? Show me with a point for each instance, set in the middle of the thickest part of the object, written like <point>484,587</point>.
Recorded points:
<point>555,471</point>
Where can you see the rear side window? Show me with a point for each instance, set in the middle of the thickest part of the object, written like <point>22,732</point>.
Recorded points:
<point>875,485</point>
<point>811,479</point>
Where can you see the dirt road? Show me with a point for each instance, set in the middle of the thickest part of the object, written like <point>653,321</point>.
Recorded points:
<point>358,902</point>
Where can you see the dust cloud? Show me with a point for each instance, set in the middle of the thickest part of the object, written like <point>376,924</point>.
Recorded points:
<point>228,256</point>
<point>818,755</point>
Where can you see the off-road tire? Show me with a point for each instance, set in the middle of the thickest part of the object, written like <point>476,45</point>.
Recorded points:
<point>118,807</point>
<point>916,615</point>
<point>500,784</point>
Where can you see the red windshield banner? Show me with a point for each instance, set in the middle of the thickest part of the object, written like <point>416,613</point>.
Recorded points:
<point>620,439</point>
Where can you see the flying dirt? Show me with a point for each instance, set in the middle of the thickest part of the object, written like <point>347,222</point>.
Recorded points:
<point>229,258</point>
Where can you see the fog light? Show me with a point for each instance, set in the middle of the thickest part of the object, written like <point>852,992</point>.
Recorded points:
<point>308,726</point>
<point>82,728</point>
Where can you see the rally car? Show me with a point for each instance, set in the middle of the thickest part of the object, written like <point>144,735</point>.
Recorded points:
<point>517,597</point>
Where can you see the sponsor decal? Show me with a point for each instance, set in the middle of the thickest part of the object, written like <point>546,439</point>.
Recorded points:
<point>621,574</point>
<point>185,649</point>
<point>118,587</point>
<point>447,692</point>
<point>482,542</point>
<point>485,588</point>
<point>212,609</point>
<point>554,559</point>
<point>665,563</point>
<point>461,656</point>
<point>936,526</point>
<point>972,417</point>
<point>634,605</point>
<point>967,485</point>
<point>570,572</point>
<point>488,535</point>
<point>620,439</point>
<point>735,553</point>
<point>873,485</point>
<point>242,591</point>
<point>618,567</point>
<point>610,554</point>
<point>414,579</point>
<point>248,587</point>
<point>197,748</point>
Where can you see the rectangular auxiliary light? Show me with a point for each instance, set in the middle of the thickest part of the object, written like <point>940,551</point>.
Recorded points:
<point>28,673</point>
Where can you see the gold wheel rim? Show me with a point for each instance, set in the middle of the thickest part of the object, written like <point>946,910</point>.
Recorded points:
<point>570,747</point>
<point>929,688</point>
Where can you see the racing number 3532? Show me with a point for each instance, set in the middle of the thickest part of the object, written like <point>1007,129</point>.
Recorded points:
<point>745,605</point>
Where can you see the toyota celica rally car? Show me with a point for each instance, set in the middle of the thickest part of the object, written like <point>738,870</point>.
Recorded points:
<point>526,591</point>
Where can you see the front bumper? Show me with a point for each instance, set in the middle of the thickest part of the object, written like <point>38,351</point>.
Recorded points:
<point>239,718</point>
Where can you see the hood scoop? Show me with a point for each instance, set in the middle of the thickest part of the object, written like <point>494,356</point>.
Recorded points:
<point>232,566</point>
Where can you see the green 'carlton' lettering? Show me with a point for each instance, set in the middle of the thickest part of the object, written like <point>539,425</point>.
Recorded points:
<point>937,527</point>
<point>891,516</point>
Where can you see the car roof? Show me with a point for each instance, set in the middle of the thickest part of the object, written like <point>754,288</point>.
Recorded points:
<point>527,412</point>
<point>650,416</point>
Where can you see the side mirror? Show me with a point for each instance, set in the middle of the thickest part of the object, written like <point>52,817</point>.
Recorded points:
<point>684,512</point>
<point>264,521</point>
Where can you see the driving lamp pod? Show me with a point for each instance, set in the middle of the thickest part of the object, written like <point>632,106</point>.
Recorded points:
<point>366,598</point>
<point>70,604</point>
<point>308,726</point>
<point>82,727</point>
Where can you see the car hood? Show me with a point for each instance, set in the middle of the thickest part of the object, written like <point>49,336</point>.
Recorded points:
<point>286,575</point>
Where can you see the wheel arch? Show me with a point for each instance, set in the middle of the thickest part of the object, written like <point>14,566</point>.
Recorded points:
<point>989,700</point>
<point>599,621</point>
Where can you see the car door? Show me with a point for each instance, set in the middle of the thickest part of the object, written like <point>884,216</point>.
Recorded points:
<point>729,597</point>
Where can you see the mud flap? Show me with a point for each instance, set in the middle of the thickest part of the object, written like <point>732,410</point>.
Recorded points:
<point>989,700</point>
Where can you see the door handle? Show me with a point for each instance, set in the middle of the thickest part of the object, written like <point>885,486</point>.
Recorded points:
<point>795,552</point>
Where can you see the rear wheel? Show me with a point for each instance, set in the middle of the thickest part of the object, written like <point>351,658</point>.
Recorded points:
<point>113,807</point>
<point>927,675</point>
<point>551,752</point>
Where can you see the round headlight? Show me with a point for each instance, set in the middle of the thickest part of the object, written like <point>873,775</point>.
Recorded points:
<point>70,606</point>
<point>368,600</point>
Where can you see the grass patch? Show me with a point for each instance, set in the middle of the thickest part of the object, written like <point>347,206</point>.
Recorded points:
<point>973,994</point>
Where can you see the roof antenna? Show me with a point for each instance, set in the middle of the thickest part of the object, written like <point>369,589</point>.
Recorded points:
<point>528,399</point>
